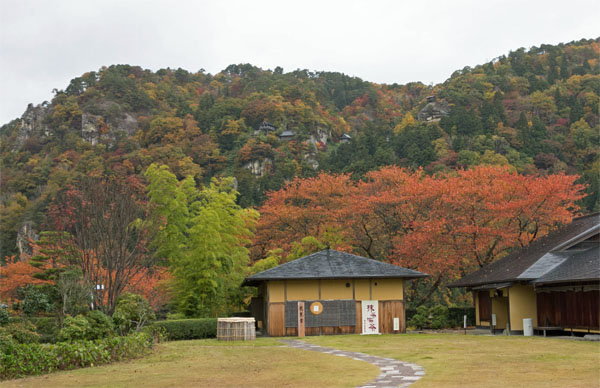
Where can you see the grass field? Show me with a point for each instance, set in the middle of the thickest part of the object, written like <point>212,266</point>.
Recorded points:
<point>449,361</point>
<point>208,363</point>
<point>452,360</point>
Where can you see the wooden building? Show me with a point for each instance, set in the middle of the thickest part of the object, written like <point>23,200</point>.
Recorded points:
<point>555,281</point>
<point>341,294</point>
<point>287,135</point>
<point>345,138</point>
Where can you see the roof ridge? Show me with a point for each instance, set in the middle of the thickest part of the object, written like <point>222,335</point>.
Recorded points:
<point>332,264</point>
<point>286,263</point>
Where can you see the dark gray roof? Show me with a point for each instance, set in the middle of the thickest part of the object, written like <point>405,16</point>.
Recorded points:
<point>330,264</point>
<point>546,263</point>
<point>522,264</point>
<point>580,266</point>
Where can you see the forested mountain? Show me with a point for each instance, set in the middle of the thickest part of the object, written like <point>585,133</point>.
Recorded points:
<point>536,110</point>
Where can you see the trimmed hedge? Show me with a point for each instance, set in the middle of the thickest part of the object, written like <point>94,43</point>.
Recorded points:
<point>184,329</point>
<point>31,359</point>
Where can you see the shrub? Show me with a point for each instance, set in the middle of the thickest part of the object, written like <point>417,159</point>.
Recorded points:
<point>158,333</point>
<point>48,329</point>
<point>4,317</point>
<point>6,341</point>
<point>420,319</point>
<point>34,300</point>
<point>439,316</point>
<point>74,329</point>
<point>435,317</point>
<point>455,315</point>
<point>101,325</point>
<point>94,325</point>
<point>29,359</point>
<point>175,316</point>
<point>184,329</point>
<point>132,313</point>
<point>23,332</point>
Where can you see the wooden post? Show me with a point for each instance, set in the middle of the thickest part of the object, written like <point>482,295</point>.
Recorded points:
<point>300,319</point>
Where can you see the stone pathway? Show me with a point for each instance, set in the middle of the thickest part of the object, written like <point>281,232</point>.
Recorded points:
<point>394,373</point>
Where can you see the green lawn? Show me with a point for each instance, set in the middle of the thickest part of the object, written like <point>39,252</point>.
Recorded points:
<point>449,360</point>
<point>452,360</point>
<point>208,363</point>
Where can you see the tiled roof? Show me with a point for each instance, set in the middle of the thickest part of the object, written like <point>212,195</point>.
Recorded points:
<point>533,261</point>
<point>330,264</point>
<point>580,266</point>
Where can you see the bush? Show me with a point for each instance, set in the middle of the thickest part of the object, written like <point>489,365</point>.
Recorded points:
<point>184,329</point>
<point>4,317</point>
<point>48,329</point>
<point>435,317</point>
<point>159,334</point>
<point>74,329</point>
<point>94,325</point>
<point>101,325</point>
<point>175,316</point>
<point>132,313</point>
<point>455,316</point>
<point>34,300</point>
<point>23,332</point>
<point>420,319</point>
<point>30,359</point>
<point>439,317</point>
<point>7,342</point>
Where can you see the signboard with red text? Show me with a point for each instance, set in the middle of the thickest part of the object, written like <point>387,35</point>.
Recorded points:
<point>370,317</point>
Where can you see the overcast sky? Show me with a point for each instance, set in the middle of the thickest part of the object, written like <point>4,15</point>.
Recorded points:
<point>44,44</point>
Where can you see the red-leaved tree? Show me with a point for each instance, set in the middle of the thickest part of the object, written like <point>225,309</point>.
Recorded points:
<point>105,219</point>
<point>445,225</point>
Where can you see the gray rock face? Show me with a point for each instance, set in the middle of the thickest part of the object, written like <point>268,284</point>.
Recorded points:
<point>32,124</point>
<point>91,126</point>
<point>24,236</point>
<point>433,111</point>
<point>259,168</point>
<point>321,135</point>
<point>90,131</point>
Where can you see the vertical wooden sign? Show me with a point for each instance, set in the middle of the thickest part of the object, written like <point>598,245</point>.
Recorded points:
<point>370,317</point>
<point>301,319</point>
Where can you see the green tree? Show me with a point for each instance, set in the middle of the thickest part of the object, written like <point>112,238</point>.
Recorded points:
<point>203,234</point>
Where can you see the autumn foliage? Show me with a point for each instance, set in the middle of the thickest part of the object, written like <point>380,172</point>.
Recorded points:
<point>445,225</point>
<point>16,274</point>
<point>151,284</point>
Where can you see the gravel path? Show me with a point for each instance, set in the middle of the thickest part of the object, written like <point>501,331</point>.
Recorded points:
<point>394,373</point>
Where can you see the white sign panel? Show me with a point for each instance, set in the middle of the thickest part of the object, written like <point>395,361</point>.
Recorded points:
<point>370,317</point>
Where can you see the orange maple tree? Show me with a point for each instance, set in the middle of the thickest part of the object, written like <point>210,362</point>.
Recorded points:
<point>304,207</point>
<point>445,225</point>
<point>152,285</point>
<point>15,274</point>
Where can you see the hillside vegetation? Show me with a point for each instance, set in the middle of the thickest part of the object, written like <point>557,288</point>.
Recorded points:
<point>535,110</point>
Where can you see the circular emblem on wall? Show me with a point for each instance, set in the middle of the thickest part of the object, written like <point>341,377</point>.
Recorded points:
<point>316,308</point>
